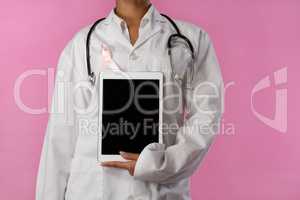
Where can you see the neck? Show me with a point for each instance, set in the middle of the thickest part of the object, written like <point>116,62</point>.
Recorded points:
<point>132,11</point>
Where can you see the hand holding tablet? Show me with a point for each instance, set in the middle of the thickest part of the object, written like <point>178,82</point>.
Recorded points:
<point>128,165</point>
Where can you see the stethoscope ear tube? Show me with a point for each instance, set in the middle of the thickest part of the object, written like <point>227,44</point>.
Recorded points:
<point>188,42</point>
<point>91,75</point>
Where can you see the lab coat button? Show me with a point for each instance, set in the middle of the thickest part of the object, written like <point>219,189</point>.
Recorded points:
<point>130,198</point>
<point>123,26</point>
<point>133,56</point>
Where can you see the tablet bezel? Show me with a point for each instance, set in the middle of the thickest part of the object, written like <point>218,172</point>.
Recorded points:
<point>126,76</point>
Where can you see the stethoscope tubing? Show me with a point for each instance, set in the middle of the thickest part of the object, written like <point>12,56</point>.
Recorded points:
<point>178,34</point>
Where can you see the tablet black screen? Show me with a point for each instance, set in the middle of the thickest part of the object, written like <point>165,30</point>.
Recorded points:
<point>130,117</point>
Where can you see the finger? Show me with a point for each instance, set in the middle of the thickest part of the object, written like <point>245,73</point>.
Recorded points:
<point>129,156</point>
<point>132,168</point>
<point>116,164</point>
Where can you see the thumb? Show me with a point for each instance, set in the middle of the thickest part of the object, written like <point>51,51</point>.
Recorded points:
<point>129,156</point>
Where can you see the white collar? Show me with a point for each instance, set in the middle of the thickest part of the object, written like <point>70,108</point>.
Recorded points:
<point>152,15</point>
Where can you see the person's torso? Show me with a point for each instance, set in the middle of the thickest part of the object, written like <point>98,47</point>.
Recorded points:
<point>87,179</point>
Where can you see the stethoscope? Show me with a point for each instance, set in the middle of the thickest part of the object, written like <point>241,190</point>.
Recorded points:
<point>177,35</point>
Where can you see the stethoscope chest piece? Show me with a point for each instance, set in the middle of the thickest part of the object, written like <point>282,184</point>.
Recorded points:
<point>92,78</point>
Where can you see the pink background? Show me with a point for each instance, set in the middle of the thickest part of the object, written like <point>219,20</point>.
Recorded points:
<point>253,39</point>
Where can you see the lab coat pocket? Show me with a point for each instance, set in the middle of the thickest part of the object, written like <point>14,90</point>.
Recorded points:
<point>144,190</point>
<point>84,180</point>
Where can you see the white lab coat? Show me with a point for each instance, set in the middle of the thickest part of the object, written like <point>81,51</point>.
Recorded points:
<point>68,167</point>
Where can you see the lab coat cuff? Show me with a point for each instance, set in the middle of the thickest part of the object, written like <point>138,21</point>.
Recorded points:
<point>147,165</point>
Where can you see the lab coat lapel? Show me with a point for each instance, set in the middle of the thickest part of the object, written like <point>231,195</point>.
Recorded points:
<point>147,33</point>
<point>113,33</point>
<point>151,29</point>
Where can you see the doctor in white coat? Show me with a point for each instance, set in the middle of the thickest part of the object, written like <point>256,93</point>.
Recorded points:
<point>133,37</point>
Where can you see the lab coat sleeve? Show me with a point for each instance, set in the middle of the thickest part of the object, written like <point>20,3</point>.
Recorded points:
<point>60,137</point>
<point>160,164</point>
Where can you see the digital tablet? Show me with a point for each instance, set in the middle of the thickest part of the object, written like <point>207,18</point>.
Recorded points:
<point>130,112</point>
